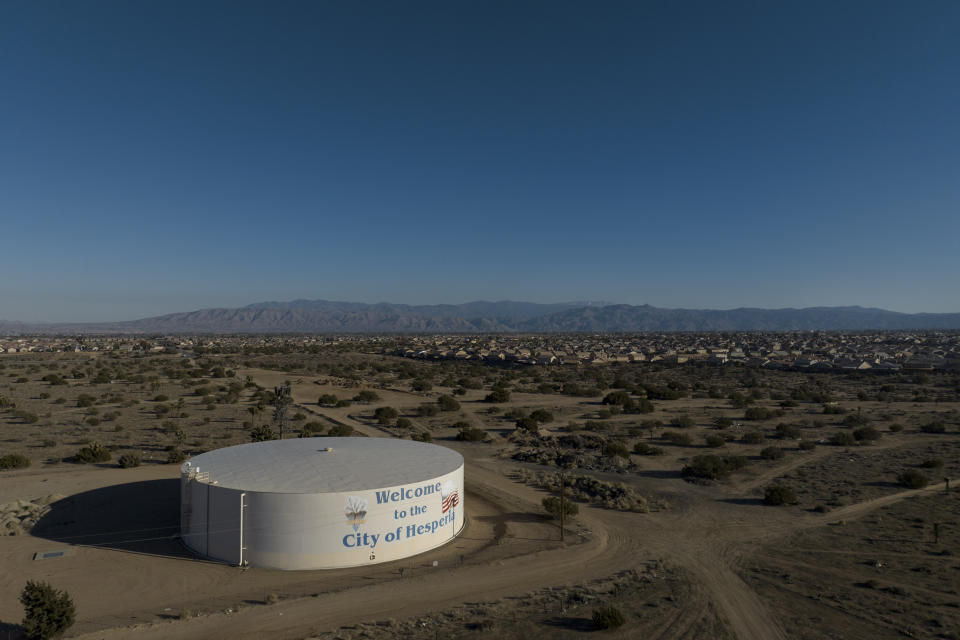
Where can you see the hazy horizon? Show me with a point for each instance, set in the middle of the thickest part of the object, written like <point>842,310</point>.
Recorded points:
<point>550,302</point>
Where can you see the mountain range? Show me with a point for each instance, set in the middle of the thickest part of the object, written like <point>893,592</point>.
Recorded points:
<point>322,316</point>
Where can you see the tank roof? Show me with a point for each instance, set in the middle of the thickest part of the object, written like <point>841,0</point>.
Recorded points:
<point>324,465</point>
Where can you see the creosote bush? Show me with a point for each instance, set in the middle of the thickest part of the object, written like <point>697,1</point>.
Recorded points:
<point>551,505</point>
<point>14,461</point>
<point>608,617</point>
<point>129,460</point>
<point>777,495</point>
<point>913,479</point>
<point>93,452</point>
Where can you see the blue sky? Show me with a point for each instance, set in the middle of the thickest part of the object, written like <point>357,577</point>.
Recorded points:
<point>168,156</point>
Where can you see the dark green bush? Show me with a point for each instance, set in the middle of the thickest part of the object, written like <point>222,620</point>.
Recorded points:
<point>47,612</point>
<point>643,449</point>
<point>913,479</point>
<point>93,452</point>
<point>713,467</point>
<point>777,495</point>
<point>771,453</point>
<point>262,433</point>
<point>752,437</point>
<point>14,461</point>
<point>807,445</point>
<point>340,431</point>
<point>129,460</point>
<point>472,434</point>
<point>866,434</point>
<point>677,438</point>
<point>608,617</point>
<point>616,449</point>
<point>843,439</point>
<point>552,506</point>
<point>937,426</point>
<point>714,441</point>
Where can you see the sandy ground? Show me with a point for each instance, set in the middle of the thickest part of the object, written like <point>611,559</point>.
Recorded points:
<point>131,579</point>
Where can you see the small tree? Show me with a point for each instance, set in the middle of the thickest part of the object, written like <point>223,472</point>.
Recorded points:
<point>47,612</point>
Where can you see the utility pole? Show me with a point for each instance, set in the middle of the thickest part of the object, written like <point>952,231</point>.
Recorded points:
<point>563,506</point>
<point>281,401</point>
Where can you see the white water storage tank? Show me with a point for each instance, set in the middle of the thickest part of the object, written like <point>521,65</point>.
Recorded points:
<point>318,503</point>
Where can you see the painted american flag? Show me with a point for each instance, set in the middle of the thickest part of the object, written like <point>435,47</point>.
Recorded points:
<point>452,499</point>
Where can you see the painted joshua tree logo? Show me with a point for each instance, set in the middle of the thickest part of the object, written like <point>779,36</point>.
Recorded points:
<point>356,511</point>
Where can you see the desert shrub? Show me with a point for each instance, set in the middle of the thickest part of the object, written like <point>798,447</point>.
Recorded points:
<point>723,422</point>
<point>498,395</point>
<point>448,403</point>
<point>472,434</point>
<point>677,438</point>
<point>404,423</point>
<point>843,439</point>
<point>551,504</point>
<point>385,415</point>
<point>541,415</point>
<point>421,385</point>
<point>771,453</point>
<point>913,479</point>
<point>163,398</point>
<point>54,379</point>
<point>932,463</point>
<point>937,426</point>
<point>608,617</point>
<point>48,443</point>
<point>340,431</point>
<point>713,467</point>
<point>423,436</point>
<point>366,396</point>
<point>682,422</point>
<point>311,429</point>
<point>866,434</point>
<point>832,409</point>
<point>752,437</point>
<point>776,495</point>
<point>342,403</point>
<point>428,410</point>
<point>514,414</point>
<point>176,456</point>
<point>896,427</point>
<point>93,452</point>
<point>643,449</point>
<point>93,421</point>
<point>14,461</point>
<point>327,399</point>
<point>262,433</point>
<point>616,450</point>
<point>298,416</point>
<point>129,460</point>
<point>47,612</point>
<point>785,431</point>
<point>761,413</point>
<point>854,420</point>
<point>28,417</point>
<point>271,598</point>
<point>714,441</point>
<point>807,445</point>
<point>527,424</point>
